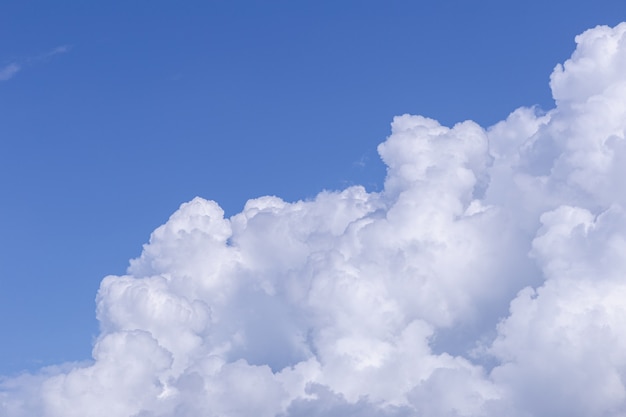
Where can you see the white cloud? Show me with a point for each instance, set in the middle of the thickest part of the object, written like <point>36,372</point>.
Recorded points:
<point>58,50</point>
<point>486,279</point>
<point>9,71</point>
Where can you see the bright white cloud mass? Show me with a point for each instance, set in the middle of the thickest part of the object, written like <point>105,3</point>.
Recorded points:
<point>486,279</point>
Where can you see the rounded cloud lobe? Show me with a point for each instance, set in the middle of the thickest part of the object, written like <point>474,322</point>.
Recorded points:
<point>486,279</point>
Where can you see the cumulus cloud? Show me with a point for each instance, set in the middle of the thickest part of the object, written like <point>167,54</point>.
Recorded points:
<point>486,279</point>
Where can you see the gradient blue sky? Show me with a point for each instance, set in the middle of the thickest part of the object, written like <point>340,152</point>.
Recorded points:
<point>121,112</point>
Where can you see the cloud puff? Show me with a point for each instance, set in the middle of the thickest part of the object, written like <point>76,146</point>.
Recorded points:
<point>486,279</point>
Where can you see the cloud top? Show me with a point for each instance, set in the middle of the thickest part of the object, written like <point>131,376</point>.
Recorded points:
<point>486,279</point>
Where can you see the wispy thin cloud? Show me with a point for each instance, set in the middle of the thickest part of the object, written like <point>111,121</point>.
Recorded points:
<point>10,70</point>
<point>56,51</point>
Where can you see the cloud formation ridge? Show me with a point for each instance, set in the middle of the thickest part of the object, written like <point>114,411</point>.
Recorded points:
<point>486,279</point>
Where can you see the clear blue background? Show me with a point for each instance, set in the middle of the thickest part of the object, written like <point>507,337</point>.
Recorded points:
<point>157,102</point>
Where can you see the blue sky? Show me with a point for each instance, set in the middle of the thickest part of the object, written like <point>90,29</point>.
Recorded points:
<point>112,115</point>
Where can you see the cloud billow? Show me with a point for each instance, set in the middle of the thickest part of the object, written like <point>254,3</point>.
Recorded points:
<point>486,279</point>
